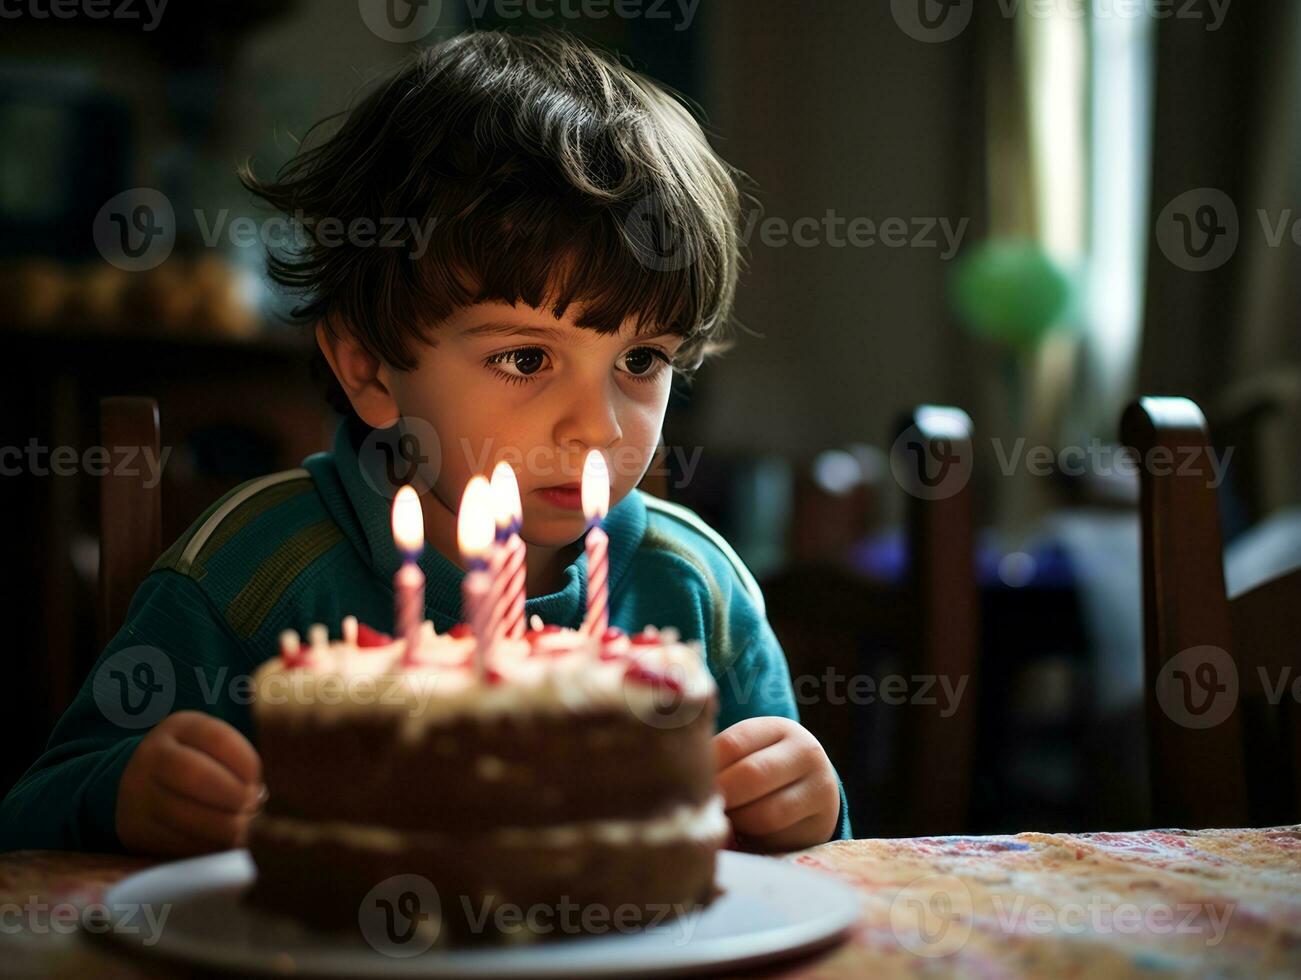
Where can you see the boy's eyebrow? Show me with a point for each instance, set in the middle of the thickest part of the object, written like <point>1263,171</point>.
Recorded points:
<point>506,329</point>
<point>501,329</point>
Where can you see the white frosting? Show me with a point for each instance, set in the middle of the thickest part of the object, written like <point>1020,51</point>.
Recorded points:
<point>683,823</point>
<point>561,672</point>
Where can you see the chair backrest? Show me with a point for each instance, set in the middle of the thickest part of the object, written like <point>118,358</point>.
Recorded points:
<point>826,616</point>
<point>130,510</point>
<point>932,458</point>
<point>1224,735</point>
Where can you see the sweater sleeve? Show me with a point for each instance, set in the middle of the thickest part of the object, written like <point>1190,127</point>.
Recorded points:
<point>173,653</point>
<point>758,682</point>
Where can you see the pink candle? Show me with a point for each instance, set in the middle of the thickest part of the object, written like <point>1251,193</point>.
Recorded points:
<point>409,582</point>
<point>509,554</point>
<point>596,501</point>
<point>474,536</point>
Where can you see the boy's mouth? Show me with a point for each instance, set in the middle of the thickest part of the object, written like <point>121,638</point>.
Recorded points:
<point>567,496</point>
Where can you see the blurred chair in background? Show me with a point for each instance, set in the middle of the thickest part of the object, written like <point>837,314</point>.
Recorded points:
<point>904,751</point>
<point>1223,729</point>
<point>130,510</point>
<point>835,500</point>
<point>1260,419</point>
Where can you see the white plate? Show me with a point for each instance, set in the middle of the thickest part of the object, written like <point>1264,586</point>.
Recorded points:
<point>769,909</point>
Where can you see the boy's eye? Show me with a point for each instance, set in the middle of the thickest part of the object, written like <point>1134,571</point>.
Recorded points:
<point>526,362</point>
<point>644,363</point>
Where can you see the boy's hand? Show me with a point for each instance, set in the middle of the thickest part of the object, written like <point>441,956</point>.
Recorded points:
<point>778,786</point>
<point>190,787</point>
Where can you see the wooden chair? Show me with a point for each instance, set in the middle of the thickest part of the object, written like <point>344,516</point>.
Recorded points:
<point>1245,417</point>
<point>827,617</point>
<point>942,629</point>
<point>1221,755</point>
<point>130,512</point>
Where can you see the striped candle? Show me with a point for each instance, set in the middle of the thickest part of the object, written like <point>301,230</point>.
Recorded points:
<point>510,549</point>
<point>596,501</point>
<point>474,534</point>
<point>409,582</point>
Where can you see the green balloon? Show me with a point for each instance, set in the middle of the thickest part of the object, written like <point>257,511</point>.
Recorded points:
<point>1009,291</point>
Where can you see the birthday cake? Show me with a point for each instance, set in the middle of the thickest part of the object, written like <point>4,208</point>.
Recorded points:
<point>557,784</point>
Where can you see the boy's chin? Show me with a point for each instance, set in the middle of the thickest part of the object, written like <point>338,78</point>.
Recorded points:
<point>554,530</point>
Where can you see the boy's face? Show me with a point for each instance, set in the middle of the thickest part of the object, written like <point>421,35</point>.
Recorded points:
<point>515,383</point>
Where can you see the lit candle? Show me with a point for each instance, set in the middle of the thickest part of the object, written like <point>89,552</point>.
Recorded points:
<point>409,582</point>
<point>474,537</point>
<point>596,501</point>
<point>508,557</point>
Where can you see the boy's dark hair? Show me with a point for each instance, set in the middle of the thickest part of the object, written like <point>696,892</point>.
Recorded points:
<point>548,172</point>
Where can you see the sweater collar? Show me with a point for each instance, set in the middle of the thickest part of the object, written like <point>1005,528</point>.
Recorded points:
<point>370,502</point>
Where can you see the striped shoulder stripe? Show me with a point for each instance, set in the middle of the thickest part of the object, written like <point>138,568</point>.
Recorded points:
<point>234,512</point>
<point>693,521</point>
<point>269,582</point>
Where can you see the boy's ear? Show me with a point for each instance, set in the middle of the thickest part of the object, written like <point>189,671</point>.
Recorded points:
<point>362,375</point>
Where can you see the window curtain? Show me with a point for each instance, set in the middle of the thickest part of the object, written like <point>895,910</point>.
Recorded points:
<point>1228,120</point>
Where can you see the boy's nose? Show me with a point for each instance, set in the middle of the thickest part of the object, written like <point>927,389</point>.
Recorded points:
<point>588,422</point>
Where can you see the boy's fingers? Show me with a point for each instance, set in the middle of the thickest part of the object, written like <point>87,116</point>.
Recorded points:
<point>742,739</point>
<point>186,771</point>
<point>778,810</point>
<point>224,743</point>
<point>199,823</point>
<point>755,776</point>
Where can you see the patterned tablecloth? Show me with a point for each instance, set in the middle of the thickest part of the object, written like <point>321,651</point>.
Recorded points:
<point>1225,902</point>
<point>1220,902</point>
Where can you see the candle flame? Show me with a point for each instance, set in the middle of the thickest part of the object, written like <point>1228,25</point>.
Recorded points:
<point>408,520</point>
<point>596,485</point>
<point>474,523</point>
<point>505,494</point>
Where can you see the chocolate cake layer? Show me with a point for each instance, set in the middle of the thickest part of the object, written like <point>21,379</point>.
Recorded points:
<point>471,774</point>
<point>475,888</point>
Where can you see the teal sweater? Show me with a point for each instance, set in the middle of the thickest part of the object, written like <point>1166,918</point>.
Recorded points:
<point>312,545</point>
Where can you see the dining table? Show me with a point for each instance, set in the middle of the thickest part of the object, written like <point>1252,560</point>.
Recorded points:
<point>1145,904</point>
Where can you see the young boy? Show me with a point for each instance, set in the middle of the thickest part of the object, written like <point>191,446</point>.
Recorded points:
<point>512,244</point>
